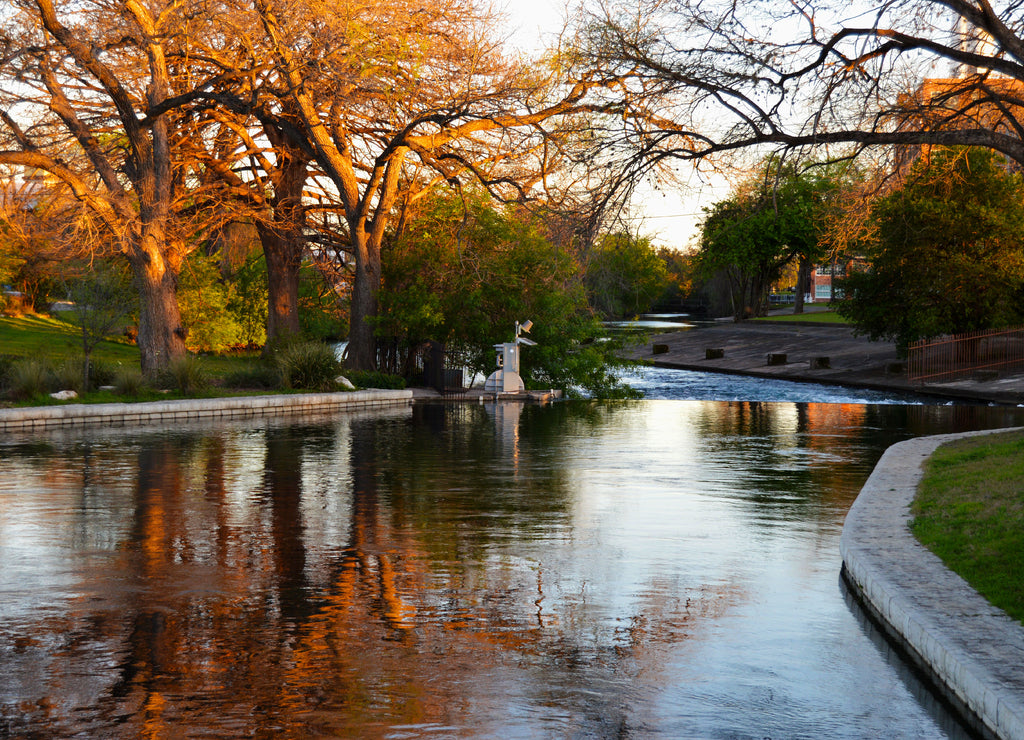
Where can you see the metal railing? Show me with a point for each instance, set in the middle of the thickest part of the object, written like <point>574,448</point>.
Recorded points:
<point>961,355</point>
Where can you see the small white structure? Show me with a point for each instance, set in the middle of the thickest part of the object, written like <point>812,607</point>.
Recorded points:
<point>506,378</point>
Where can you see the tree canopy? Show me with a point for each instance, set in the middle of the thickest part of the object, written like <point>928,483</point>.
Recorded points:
<point>775,217</point>
<point>466,269</point>
<point>947,255</point>
<point>624,275</point>
<point>715,76</point>
<point>170,120</point>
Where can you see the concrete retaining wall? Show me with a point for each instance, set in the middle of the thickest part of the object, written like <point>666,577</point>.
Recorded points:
<point>122,414</point>
<point>967,645</point>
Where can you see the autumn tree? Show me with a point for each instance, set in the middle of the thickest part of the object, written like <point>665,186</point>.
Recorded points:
<point>89,97</point>
<point>35,216</point>
<point>395,99</point>
<point>253,172</point>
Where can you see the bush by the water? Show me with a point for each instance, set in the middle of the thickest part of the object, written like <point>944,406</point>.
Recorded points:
<point>5,370</point>
<point>186,374</point>
<point>256,375</point>
<point>375,379</point>
<point>308,365</point>
<point>28,377</point>
<point>128,381</point>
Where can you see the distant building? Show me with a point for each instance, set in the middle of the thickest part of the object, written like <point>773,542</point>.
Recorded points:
<point>822,287</point>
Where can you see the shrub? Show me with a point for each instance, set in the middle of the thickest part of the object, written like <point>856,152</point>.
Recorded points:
<point>308,365</point>
<point>106,373</point>
<point>128,381</point>
<point>5,370</point>
<point>375,379</point>
<point>186,374</point>
<point>28,377</point>
<point>67,375</point>
<point>256,375</point>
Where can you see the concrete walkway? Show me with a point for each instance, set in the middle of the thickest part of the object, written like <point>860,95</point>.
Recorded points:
<point>192,409</point>
<point>967,645</point>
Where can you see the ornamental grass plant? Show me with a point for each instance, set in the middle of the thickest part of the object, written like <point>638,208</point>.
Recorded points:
<point>308,365</point>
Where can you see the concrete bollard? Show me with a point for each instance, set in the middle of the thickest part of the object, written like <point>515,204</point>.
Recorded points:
<point>714,353</point>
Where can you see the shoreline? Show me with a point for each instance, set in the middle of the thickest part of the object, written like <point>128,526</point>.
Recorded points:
<point>970,649</point>
<point>33,418</point>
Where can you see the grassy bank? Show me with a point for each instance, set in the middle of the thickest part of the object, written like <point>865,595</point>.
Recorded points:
<point>817,317</point>
<point>42,354</point>
<point>51,338</point>
<point>970,512</point>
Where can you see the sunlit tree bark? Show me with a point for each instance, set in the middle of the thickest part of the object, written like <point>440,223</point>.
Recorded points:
<point>86,91</point>
<point>256,173</point>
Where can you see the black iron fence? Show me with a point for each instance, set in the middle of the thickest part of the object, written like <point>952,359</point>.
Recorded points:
<point>963,355</point>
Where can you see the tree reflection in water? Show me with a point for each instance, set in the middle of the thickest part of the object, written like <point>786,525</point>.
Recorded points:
<point>456,569</point>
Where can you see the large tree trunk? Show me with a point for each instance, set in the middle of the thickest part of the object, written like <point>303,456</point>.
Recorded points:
<point>284,258</point>
<point>282,240</point>
<point>161,335</point>
<point>362,343</point>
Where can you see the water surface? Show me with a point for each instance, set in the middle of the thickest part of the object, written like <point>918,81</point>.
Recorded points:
<point>652,569</point>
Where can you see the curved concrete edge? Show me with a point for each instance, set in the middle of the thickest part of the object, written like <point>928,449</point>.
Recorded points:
<point>121,414</point>
<point>972,649</point>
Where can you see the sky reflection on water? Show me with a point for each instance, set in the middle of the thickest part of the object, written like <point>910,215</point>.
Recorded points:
<point>636,569</point>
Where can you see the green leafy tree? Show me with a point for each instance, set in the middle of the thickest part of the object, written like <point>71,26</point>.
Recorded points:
<point>773,219</point>
<point>249,302</point>
<point>204,296</point>
<point>102,302</point>
<point>323,315</point>
<point>947,256</point>
<point>624,275</point>
<point>465,270</point>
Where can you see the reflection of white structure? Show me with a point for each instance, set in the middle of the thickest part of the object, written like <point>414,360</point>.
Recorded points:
<point>506,429</point>
<point>506,378</point>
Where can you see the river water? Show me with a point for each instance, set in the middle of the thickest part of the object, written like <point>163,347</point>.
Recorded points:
<point>652,569</point>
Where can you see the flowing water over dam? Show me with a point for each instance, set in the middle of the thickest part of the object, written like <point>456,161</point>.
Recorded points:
<point>647,569</point>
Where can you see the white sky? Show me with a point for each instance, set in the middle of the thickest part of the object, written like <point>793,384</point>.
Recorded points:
<point>669,217</point>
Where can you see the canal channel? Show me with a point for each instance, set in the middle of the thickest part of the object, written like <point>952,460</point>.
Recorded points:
<point>663,568</point>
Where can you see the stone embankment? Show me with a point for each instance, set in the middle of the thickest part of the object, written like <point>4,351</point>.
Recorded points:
<point>194,409</point>
<point>971,649</point>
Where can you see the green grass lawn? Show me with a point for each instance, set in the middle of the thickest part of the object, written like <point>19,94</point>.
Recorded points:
<point>821,317</point>
<point>54,339</point>
<point>51,338</point>
<point>57,344</point>
<point>969,511</point>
